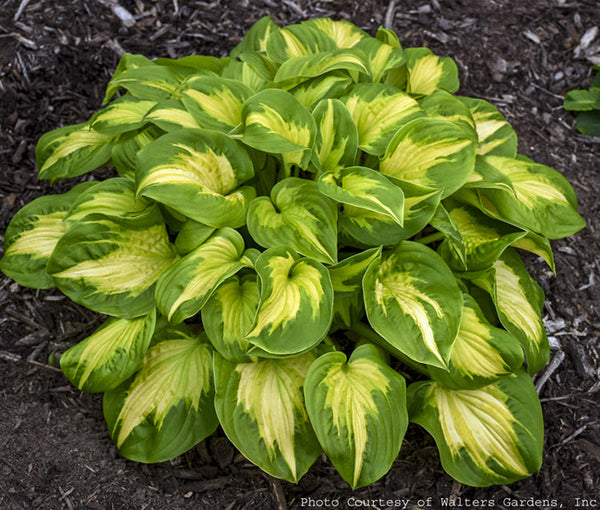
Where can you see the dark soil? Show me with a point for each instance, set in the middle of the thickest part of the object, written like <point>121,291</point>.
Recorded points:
<point>55,60</point>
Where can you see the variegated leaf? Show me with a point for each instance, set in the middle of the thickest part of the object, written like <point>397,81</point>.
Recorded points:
<point>444,223</point>
<point>297,215</point>
<point>380,57</point>
<point>197,173</point>
<point>127,62</point>
<point>298,40</point>
<point>543,200</point>
<point>152,82</point>
<point>71,151</point>
<point>343,33</point>
<point>255,39</point>
<point>124,114</point>
<point>336,142</point>
<point>297,70</point>
<point>296,303</point>
<point>261,65</point>
<point>427,72</point>
<point>431,152</point>
<point>495,135</point>
<point>389,37</point>
<point>183,289</point>
<point>229,315</point>
<point>481,353</point>
<point>254,77</point>
<point>365,188</point>
<point>484,176</point>
<point>110,355</point>
<point>537,245</point>
<point>126,146</point>
<point>519,301</point>
<point>331,86</point>
<point>445,106</point>
<point>348,309</point>
<point>347,275</point>
<point>170,114</point>
<point>488,436</point>
<point>112,197</point>
<point>168,407</point>
<point>358,411</point>
<point>110,264</point>
<point>32,235</point>
<point>379,111</point>
<point>194,65</point>
<point>261,409</point>
<point>484,238</point>
<point>413,301</point>
<point>215,102</point>
<point>274,121</point>
<point>191,235</point>
<point>362,228</point>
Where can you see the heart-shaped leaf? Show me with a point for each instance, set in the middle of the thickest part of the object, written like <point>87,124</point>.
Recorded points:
<point>110,355</point>
<point>197,173</point>
<point>358,411</point>
<point>297,215</point>
<point>110,264</point>
<point>489,436</point>
<point>229,314</point>
<point>261,408</point>
<point>32,235</point>
<point>168,406</point>
<point>365,188</point>
<point>296,302</point>
<point>413,301</point>
<point>183,289</point>
<point>431,152</point>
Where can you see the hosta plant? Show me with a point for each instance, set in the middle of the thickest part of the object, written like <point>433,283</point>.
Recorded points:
<point>291,232</point>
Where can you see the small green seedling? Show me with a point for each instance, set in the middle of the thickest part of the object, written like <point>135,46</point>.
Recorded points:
<point>587,105</point>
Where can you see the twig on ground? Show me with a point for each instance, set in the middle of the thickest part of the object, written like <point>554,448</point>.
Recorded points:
<point>43,365</point>
<point>15,358</point>
<point>20,10</point>
<point>9,356</point>
<point>295,7</point>
<point>573,435</point>
<point>590,283</point>
<point>116,47</point>
<point>23,40</point>
<point>277,493</point>
<point>389,15</point>
<point>552,366</point>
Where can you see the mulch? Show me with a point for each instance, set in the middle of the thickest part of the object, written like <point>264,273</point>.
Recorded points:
<point>55,59</point>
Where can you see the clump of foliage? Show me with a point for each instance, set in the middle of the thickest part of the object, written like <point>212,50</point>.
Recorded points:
<point>293,228</point>
<point>586,102</point>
